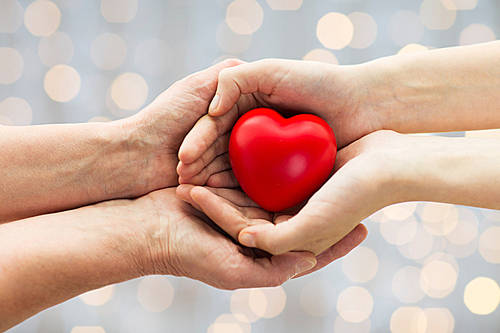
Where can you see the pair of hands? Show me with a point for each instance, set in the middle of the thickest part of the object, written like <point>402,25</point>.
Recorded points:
<point>182,238</point>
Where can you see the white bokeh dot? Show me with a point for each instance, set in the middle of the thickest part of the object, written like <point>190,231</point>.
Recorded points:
<point>476,33</point>
<point>343,326</point>
<point>285,4</point>
<point>42,18</point>
<point>334,30</point>
<point>11,65</point>
<point>459,4</point>
<point>62,83</point>
<point>99,296</point>
<point>155,293</point>
<point>244,17</point>
<point>240,305</point>
<point>230,323</point>
<point>489,245</point>
<point>87,329</point>
<point>361,265</point>
<point>119,11</point>
<point>413,48</point>
<point>438,278</point>
<point>435,16</point>
<point>55,49</point>
<point>355,304</point>
<point>108,51</point>
<point>420,245</point>
<point>11,16</point>
<point>16,110</point>
<point>439,320</point>
<point>365,30</point>
<point>482,295</point>
<point>439,218</point>
<point>129,91</point>
<point>408,319</point>
<point>399,232</point>
<point>321,55</point>
<point>267,302</point>
<point>406,285</point>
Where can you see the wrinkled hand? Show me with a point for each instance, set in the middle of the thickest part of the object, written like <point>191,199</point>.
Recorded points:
<point>157,131</point>
<point>184,242</point>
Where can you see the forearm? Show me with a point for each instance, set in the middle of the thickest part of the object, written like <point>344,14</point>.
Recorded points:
<point>454,170</point>
<point>55,167</point>
<point>48,259</point>
<point>449,89</point>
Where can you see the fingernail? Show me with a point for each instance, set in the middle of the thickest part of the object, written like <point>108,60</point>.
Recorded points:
<point>304,265</point>
<point>247,239</point>
<point>214,104</point>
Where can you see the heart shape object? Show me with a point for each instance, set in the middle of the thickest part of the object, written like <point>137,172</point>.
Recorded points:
<point>279,162</point>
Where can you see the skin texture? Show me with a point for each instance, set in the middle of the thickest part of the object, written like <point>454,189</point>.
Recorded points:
<point>55,167</point>
<point>441,90</point>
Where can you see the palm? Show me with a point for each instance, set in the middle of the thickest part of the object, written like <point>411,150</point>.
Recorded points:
<point>192,246</point>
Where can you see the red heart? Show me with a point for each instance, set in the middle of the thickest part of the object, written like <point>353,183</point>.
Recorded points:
<point>281,162</point>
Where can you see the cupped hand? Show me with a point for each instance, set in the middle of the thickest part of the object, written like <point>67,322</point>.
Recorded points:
<point>183,241</point>
<point>234,211</point>
<point>363,182</point>
<point>158,130</point>
<point>328,91</point>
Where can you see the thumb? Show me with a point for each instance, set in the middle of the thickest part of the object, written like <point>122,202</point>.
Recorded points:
<point>259,76</point>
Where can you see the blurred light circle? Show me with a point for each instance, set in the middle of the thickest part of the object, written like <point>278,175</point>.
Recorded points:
<point>119,11</point>
<point>88,329</point>
<point>240,305</point>
<point>230,323</point>
<point>408,319</point>
<point>476,33</point>
<point>365,30</point>
<point>284,4</point>
<point>62,83</point>
<point>406,285</point>
<point>11,65</point>
<point>399,232</point>
<point>155,293</point>
<point>355,304</point>
<point>334,31</point>
<point>420,246</point>
<point>55,49</point>
<point>129,91</point>
<point>413,48</point>
<point>466,229</point>
<point>244,17</point>
<point>405,27</point>
<point>231,42</point>
<point>108,51</point>
<point>99,296</point>
<point>99,119</point>
<point>316,298</point>
<point>491,133</point>
<point>361,265</point>
<point>438,278</point>
<point>482,295</point>
<point>401,211</point>
<point>11,16</point>
<point>459,4</point>
<point>489,245</point>
<point>153,57</point>
<point>321,55</point>
<point>42,18</point>
<point>267,302</point>
<point>16,110</point>
<point>435,16</point>
<point>439,218</point>
<point>343,326</point>
<point>444,257</point>
<point>439,320</point>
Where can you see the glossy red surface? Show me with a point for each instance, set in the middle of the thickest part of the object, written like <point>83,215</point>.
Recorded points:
<point>279,162</point>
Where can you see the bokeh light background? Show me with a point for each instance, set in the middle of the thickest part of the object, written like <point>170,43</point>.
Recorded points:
<point>425,267</point>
